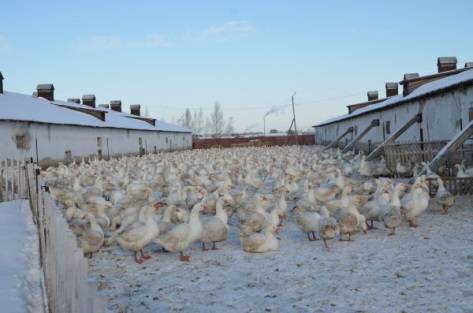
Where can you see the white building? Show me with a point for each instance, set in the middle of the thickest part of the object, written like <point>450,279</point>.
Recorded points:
<point>49,130</point>
<point>442,101</point>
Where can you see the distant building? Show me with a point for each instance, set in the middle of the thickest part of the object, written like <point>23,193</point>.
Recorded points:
<point>50,130</point>
<point>442,103</point>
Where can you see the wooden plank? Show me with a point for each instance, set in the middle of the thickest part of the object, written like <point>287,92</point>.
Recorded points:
<point>451,146</point>
<point>374,123</point>
<point>336,141</point>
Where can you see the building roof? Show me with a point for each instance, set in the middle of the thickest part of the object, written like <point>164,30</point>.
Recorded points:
<point>440,85</point>
<point>21,107</point>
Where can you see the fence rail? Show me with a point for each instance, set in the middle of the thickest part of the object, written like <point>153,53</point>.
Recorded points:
<point>410,153</point>
<point>456,185</point>
<point>415,152</point>
<point>12,180</point>
<point>65,269</point>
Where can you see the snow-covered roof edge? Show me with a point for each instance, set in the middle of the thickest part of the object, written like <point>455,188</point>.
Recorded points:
<point>25,108</point>
<point>440,85</point>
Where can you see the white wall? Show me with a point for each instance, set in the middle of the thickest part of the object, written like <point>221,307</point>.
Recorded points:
<point>441,114</point>
<point>54,140</point>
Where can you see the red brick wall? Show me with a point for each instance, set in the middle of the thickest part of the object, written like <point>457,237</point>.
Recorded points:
<point>207,143</point>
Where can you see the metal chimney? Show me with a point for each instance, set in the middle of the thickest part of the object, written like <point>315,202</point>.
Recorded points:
<point>104,106</point>
<point>372,95</point>
<point>116,105</point>
<point>88,100</point>
<point>74,100</point>
<point>446,64</point>
<point>46,91</point>
<point>468,64</point>
<point>1,83</point>
<point>392,89</point>
<point>135,109</point>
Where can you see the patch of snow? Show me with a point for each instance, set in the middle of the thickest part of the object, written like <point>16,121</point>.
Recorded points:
<point>20,107</point>
<point>428,269</point>
<point>20,273</point>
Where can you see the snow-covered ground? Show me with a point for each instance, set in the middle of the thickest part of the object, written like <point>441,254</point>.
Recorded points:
<point>428,269</point>
<point>20,273</point>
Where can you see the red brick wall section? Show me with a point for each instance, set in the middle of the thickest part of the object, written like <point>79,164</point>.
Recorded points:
<point>207,143</point>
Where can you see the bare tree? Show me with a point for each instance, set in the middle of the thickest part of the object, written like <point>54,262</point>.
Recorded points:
<point>216,122</point>
<point>198,121</point>
<point>186,119</point>
<point>229,129</point>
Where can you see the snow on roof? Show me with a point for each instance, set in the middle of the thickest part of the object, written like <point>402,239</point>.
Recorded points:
<point>422,91</point>
<point>20,107</point>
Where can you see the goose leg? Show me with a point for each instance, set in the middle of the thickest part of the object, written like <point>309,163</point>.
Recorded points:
<point>313,236</point>
<point>310,238</point>
<point>349,236</point>
<point>371,226</point>
<point>214,247</point>
<point>184,258</point>
<point>326,245</point>
<point>145,256</point>
<point>445,209</point>
<point>203,247</point>
<point>412,223</point>
<point>137,259</point>
<point>393,232</point>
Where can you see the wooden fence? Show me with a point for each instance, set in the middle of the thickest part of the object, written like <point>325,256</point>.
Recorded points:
<point>456,185</point>
<point>411,153</point>
<point>206,143</point>
<point>65,270</point>
<point>12,180</point>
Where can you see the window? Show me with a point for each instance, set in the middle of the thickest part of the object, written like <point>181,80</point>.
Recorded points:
<point>140,141</point>
<point>21,142</point>
<point>388,127</point>
<point>99,141</point>
<point>167,140</point>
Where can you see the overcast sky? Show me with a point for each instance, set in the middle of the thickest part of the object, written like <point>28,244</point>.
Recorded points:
<point>250,56</point>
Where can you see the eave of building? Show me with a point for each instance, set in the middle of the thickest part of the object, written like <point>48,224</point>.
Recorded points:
<point>401,101</point>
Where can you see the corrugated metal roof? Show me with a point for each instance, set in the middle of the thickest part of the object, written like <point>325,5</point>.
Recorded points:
<point>422,91</point>
<point>21,107</point>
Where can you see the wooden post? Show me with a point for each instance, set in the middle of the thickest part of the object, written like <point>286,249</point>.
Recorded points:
<point>374,123</point>
<point>451,146</point>
<point>376,152</point>
<point>336,141</point>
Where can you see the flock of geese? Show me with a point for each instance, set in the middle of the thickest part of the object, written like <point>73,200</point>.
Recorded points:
<point>176,199</point>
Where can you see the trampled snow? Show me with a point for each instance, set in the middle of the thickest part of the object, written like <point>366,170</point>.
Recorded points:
<point>428,269</point>
<point>20,274</point>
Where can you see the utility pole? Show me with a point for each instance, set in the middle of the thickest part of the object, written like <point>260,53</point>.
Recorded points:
<point>294,119</point>
<point>264,125</point>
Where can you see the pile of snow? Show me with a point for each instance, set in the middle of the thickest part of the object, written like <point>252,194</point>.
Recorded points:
<point>20,273</point>
<point>428,269</point>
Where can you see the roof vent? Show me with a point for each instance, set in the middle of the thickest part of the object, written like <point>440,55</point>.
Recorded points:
<point>73,100</point>
<point>116,105</point>
<point>468,64</point>
<point>135,109</point>
<point>372,95</point>
<point>104,106</point>
<point>391,89</point>
<point>409,76</point>
<point>88,100</point>
<point>46,91</point>
<point>446,64</point>
<point>1,83</point>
